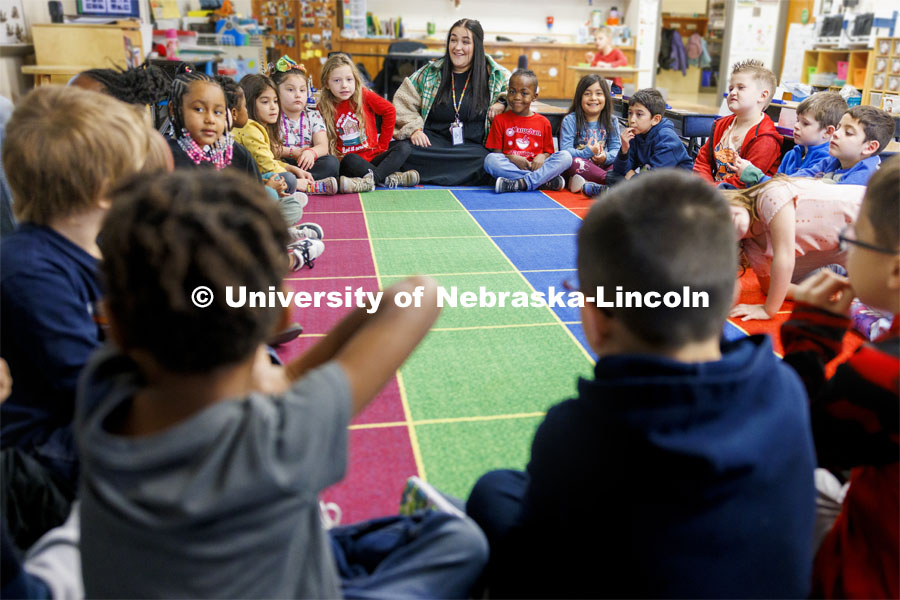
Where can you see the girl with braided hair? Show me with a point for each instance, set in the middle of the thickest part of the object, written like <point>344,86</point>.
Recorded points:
<point>302,128</point>
<point>144,84</point>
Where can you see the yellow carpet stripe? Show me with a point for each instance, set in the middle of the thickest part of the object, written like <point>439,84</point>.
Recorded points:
<point>449,420</point>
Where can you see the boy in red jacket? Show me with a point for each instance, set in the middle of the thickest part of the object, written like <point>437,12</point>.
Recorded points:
<point>855,414</point>
<point>748,133</point>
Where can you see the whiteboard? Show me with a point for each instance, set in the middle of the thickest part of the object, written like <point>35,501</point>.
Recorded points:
<point>800,39</point>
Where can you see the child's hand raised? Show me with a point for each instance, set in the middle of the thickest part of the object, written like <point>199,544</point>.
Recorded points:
<point>826,290</point>
<point>627,135</point>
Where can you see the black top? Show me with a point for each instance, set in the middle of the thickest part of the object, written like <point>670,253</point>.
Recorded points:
<point>442,115</point>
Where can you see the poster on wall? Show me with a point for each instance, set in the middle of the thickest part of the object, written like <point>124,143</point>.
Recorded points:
<point>12,22</point>
<point>754,32</point>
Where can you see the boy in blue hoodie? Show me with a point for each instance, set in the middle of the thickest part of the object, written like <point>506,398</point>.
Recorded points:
<point>685,466</point>
<point>862,133</point>
<point>649,141</point>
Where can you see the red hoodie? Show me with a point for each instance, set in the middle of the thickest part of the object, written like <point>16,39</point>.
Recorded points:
<point>762,147</point>
<point>348,128</point>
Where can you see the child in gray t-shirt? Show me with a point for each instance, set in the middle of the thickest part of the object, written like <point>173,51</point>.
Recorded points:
<point>203,461</point>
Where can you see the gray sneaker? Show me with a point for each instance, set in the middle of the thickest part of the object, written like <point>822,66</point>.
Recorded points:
<point>305,231</point>
<point>351,185</point>
<point>554,185</point>
<point>504,185</point>
<point>402,179</point>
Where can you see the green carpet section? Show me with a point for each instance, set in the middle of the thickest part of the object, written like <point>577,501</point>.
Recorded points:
<point>423,225</point>
<point>484,372</point>
<point>409,257</point>
<point>457,454</point>
<point>410,200</point>
<point>477,316</point>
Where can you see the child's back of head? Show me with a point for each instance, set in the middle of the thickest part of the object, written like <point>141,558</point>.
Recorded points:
<point>64,148</point>
<point>168,237</point>
<point>662,232</point>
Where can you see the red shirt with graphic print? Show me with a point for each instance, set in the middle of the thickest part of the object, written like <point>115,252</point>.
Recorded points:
<point>524,136</point>
<point>349,140</point>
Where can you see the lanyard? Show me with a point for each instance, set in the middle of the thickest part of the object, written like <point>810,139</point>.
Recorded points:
<point>456,106</point>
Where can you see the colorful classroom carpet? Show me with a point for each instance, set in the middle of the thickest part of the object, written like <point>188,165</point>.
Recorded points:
<point>470,397</point>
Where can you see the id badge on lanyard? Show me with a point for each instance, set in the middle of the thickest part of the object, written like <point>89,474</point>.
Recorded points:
<point>456,132</point>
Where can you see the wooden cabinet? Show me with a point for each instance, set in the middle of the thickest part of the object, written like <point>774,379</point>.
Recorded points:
<point>86,46</point>
<point>548,61</point>
<point>819,64</point>
<point>883,76</point>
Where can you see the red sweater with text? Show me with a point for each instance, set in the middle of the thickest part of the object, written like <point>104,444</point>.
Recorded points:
<point>761,146</point>
<point>349,131</point>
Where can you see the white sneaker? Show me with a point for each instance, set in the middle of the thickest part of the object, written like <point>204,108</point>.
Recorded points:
<point>303,231</point>
<point>301,199</point>
<point>304,253</point>
<point>576,182</point>
<point>418,495</point>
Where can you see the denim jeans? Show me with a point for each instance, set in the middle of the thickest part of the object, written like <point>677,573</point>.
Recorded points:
<point>427,555</point>
<point>498,165</point>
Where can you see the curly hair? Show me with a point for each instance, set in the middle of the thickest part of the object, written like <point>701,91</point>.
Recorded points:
<point>254,86</point>
<point>144,84</point>
<point>168,235</point>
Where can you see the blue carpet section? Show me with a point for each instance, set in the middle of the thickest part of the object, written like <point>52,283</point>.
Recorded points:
<point>547,255</point>
<point>544,280</point>
<point>477,199</point>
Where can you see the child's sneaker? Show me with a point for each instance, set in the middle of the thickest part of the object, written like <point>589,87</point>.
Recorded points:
<point>418,495</point>
<point>304,253</point>
<point>404,179</point>
<point>350,185</point>
<point>593,189</point>
<point>504,185</point>
<point>576,182</point>
<point>303,231</point>
<point>554,185</point>
<point>325,187</point>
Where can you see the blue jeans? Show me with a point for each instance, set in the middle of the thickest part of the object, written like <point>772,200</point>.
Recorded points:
<point>497,165</point>
<point>427,555</point>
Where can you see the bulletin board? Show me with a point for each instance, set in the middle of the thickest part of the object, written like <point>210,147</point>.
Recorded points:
<point>302,29</point>
<point>754,32</point>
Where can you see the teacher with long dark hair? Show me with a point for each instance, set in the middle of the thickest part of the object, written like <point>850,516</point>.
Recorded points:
<point>446,107</point>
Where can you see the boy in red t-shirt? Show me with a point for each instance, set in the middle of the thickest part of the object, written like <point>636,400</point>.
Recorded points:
<point>522,143</point>
<point>606,55</point>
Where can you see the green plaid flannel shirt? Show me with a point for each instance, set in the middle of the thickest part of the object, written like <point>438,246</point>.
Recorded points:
<point>427,81</point>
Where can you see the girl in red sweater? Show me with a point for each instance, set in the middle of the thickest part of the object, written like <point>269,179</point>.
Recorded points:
<point>367,155</point>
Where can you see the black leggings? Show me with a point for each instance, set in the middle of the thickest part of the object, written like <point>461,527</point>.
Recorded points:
<point>324,167</point>
<point>389,161</point>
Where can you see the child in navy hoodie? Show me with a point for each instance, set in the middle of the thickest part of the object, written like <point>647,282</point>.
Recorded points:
<point>649,141</point>
<point>685,465</point>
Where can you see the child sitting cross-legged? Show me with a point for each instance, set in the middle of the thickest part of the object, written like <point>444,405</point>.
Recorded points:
<point>748,133</point>
<point>861,135</point>
<point>208,458</point>
<point>523,157</point>
<point>818,117</point>
<point>688,461</point>
<point>649,141</point>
